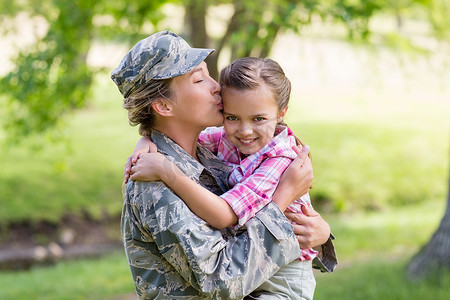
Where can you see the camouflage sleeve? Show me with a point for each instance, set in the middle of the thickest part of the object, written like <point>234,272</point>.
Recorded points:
<point>215,266</point>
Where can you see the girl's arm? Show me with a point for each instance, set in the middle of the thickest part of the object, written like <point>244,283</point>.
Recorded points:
<point>208,138</point>
<point>268,183</point>
<point>214,209</point>
<point>205,204</point>
<point>144,145</point>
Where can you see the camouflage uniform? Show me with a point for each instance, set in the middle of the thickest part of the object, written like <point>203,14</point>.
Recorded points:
<point>159,56</point>
<point>173,254</point>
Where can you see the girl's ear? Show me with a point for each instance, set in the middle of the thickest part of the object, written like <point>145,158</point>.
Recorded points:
<point>162,107</point>
<point>281,114</point>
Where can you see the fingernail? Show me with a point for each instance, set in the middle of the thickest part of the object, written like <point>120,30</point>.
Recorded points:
<point>305,148</point>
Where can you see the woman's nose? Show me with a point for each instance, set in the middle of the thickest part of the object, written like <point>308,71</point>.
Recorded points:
<point>215,87</point>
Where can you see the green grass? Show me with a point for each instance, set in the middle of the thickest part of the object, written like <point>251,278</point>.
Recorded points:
<point>84,172</point>
<point>395,231</point>
<point>360,166</point>
<point>369,155</point>
<point>373,249</point>
<point>84,279</point>
<point>374,153</point>
<point>379,278</point>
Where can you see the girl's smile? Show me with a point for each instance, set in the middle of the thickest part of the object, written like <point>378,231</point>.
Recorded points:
<point>250,117</point>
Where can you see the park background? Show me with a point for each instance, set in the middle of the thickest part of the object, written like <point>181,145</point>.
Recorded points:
<point>374,110</point>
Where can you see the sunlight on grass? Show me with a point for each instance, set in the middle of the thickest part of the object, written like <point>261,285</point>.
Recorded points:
<point>378,129</point>
<point>46,180</point>
<point>84,279</point>
<point>373,249</point>
<point>379,278</point>
<point>398,232</point>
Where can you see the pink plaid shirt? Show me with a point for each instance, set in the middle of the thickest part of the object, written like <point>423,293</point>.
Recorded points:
<point>255,177</point>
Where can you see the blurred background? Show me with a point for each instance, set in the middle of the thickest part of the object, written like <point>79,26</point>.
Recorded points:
<point>371,97</point>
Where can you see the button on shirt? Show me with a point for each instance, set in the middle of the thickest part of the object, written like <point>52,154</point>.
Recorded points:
<point>173,254</point>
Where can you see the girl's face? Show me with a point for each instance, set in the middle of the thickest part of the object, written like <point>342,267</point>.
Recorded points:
<point>197,98</point>
<point>250,117</point>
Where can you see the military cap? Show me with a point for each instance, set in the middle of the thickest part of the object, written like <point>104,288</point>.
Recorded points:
<point>160,56</point>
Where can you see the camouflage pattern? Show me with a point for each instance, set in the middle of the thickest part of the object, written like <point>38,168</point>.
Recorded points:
<point>173,254</point>
<point>326,260</point>
<point>159,56</point>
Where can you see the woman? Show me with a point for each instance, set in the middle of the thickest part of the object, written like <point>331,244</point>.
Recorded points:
<point>171,252</point>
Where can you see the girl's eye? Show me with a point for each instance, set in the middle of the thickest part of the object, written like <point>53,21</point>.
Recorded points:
<point>259,119</point>
<point>231,118</point>
<point>198,80</point>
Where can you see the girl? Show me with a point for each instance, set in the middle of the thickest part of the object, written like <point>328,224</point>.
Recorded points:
<point>258,145</point>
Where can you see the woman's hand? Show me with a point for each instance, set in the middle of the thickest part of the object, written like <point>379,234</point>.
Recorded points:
<point>144,145</point>
<point>150,167</point>
<point>311,230</point>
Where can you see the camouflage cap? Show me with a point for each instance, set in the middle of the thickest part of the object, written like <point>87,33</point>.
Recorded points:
<point>161,55</point>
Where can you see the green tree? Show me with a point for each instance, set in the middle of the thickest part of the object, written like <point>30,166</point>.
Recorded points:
<point>52,77</point>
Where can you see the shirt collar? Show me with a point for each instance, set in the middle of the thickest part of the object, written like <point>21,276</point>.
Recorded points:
<point>187,164</point>
<point>173,152</point>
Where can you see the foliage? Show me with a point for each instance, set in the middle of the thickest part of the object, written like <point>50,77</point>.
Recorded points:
<point>47,184</point>
<point>82,178</point>
<point>52,77</point>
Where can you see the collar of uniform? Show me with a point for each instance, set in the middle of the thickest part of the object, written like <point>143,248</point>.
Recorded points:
<point>217,168</point>
<point>187,164</point>
<point>173,152</point>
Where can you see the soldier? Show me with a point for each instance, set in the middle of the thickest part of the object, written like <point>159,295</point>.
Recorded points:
<point>172,253</point>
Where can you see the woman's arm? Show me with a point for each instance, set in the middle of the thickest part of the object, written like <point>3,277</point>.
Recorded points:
<point>205,204</point>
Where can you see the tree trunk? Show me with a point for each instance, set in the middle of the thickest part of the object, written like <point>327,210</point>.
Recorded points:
<point>195,21</point>
<point>434,258</point>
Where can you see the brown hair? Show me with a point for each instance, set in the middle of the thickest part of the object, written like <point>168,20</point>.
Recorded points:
<point>139,104</point>
<point>251,72</point>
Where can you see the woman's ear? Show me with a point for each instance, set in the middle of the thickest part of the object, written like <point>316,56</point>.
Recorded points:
<point>162,107</point>
<point>281,114</point>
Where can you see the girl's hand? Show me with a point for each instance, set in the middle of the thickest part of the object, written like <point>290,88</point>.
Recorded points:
<point>295,181</point>
<point>150,167</point>
<point>300,171</point>
<point>144,145</point>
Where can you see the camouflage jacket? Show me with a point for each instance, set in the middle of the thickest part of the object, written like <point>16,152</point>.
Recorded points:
<point>173,254</point>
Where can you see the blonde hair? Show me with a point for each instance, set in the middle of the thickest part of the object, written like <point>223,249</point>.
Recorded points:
<point>139,104</point>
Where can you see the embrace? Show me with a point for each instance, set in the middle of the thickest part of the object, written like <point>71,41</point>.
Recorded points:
<point>216,212</point>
